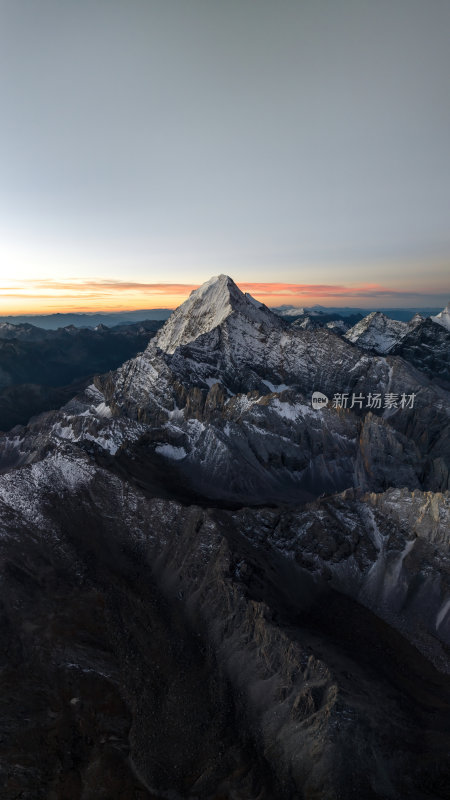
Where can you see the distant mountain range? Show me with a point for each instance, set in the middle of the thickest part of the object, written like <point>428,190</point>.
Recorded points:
<point>54,321</point>
<point>403,314</point>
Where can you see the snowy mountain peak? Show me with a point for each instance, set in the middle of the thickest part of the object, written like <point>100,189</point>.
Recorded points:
<point>443,318</point>
<point>289,311</point>
<point>206,308</point>
<point>417,319</point>
<point>377,332</point>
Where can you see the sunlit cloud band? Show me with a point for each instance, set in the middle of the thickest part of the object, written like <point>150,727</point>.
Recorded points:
<point>104,294</point>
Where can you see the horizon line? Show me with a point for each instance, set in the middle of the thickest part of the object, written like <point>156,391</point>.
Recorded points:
<point>106,312</point>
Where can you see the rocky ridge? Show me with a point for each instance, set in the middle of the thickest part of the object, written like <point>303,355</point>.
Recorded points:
<point>377,332</point>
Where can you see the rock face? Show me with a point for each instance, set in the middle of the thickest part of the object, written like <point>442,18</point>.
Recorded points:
<point>338,325</point>
<point>153,647</point>
<point>210,589</point>
<point>306,323</point>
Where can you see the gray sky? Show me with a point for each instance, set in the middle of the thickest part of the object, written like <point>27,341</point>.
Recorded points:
<point>304,142</point>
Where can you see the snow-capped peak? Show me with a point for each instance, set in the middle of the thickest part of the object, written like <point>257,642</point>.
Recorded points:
<point>443,318</point>
<point>377,332</point>
<point>206,308</point>
<point>9,327</point>
<point>416,320</point>
<point>289,311</point>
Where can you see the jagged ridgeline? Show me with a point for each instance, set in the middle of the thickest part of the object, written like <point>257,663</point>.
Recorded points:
<point>212,589</point>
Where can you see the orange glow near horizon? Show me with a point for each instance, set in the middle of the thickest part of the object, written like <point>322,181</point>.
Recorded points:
<point>50,296</point>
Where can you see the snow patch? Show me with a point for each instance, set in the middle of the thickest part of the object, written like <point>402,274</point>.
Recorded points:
<point>443,318</point>
<point>443,613</point>
<point>280,387</point>
<point>170,451</point>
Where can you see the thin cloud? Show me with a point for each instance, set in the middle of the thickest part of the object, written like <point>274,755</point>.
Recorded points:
<point>102,288</point>
<point>321,290</point>
<point>72,296</point>
<point>112,286</point>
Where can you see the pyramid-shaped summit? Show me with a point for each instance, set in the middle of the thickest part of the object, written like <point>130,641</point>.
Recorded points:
<point>208,307</point>
<point>377,332</point>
